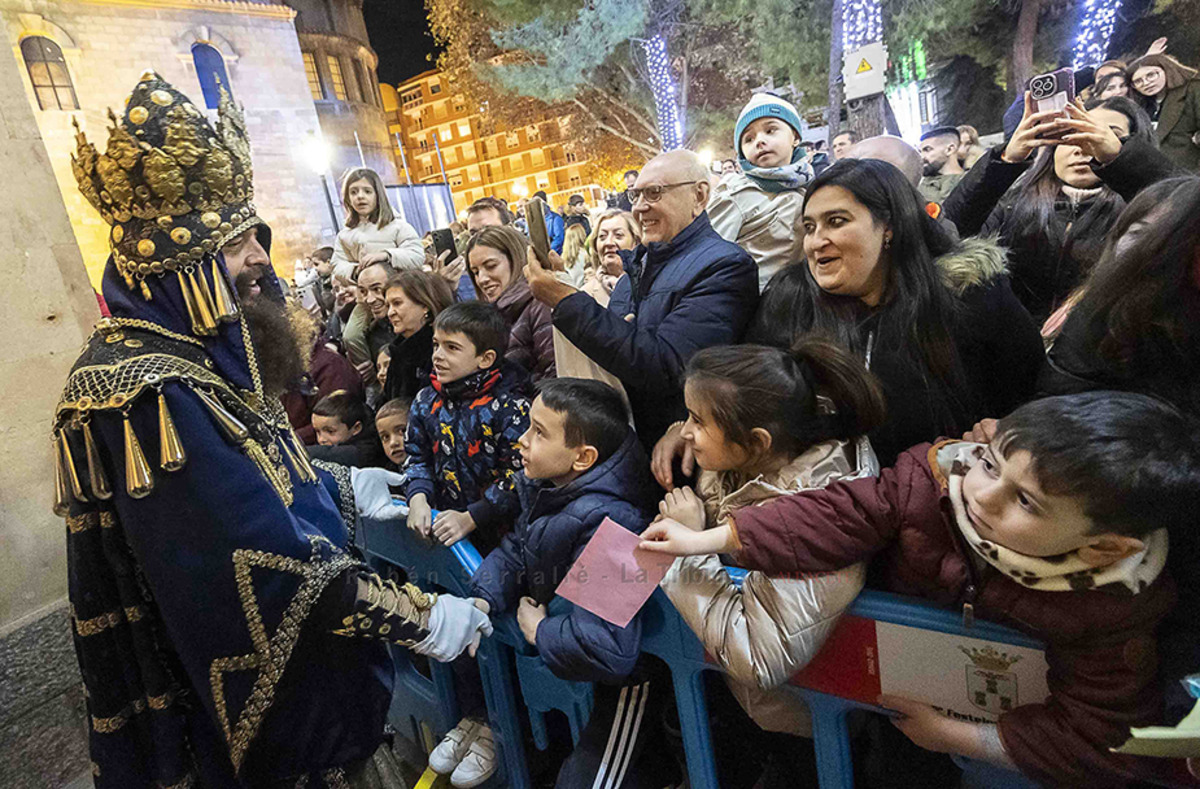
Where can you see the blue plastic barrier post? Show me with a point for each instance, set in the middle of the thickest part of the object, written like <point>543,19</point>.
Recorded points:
<point>432,566</point>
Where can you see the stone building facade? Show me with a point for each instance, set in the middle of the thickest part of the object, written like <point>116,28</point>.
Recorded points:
<point>479,157</point>
<point>78,58</point>
<point>49,307</point>
<point>340,67</point>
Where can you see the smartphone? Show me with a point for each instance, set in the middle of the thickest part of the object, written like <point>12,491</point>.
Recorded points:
<point>443,240</point>
<point>535,217</point>
<point>1053,91</point>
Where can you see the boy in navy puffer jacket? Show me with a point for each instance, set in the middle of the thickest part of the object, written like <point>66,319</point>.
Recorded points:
<point>582,464</point>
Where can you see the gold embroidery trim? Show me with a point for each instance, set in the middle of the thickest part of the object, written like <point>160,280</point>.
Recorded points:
<point>80,523</point>
<point>115,722</point>
<point>98,624</point>
<point>104,387</point>
<point>271,652</point>
<point>112,724</point>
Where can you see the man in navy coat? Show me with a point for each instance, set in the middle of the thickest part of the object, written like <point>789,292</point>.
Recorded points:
<point>685,288</point>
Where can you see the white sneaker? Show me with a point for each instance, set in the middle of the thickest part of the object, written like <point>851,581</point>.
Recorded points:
<point>479,763</point>
<point>453,747</point>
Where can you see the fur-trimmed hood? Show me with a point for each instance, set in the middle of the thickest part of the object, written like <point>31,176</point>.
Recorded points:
<point>973,261</point>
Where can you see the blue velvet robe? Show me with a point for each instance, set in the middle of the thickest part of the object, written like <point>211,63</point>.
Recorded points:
<point>200,622</point>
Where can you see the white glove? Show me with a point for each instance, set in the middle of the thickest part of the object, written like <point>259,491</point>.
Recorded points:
<point>454,625</point>
<point>372,498</point>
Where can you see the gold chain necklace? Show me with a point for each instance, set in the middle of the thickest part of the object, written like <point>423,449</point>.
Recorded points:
<point>137,323</point>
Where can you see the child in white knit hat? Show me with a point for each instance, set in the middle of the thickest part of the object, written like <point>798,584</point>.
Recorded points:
<point>758,207</point>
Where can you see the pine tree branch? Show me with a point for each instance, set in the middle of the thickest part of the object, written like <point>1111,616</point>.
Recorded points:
<point>646,148</point>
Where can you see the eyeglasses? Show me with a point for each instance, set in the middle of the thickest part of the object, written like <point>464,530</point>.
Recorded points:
<point>653,193</point>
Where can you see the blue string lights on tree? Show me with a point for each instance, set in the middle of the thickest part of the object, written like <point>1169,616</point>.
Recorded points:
<point>1098,17</point>
<point>663,86</point>
<point>862,24</point>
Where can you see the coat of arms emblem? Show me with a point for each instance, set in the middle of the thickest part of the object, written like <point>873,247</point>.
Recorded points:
<point>990,685</point>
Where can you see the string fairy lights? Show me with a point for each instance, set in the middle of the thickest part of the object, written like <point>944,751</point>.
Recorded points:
<point>662,84</point>
<point>1098,17</point>
<point>862,24</point>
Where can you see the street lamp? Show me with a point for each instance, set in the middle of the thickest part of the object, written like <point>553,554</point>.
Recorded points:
<point>316,154</point>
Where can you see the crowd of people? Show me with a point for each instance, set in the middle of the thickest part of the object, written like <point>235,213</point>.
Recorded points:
<point>963,373</point>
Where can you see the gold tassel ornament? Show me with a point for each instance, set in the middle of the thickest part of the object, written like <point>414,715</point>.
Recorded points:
<point>298,458</point>
<point>302,453</point>
<point>138,479</point>
<point>230,425</point>
<point>189,301</point>
<point>171,456</point>
<point>62,490</point>
<point>223,300</point>
<point>204,302</point>
<point>97,479</point>
<point>72,473</point>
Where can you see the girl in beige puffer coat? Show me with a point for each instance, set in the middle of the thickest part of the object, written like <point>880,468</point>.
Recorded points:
<point>765,423</point>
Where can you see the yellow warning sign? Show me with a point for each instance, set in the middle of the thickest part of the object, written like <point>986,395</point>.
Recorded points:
<point>863,65</point>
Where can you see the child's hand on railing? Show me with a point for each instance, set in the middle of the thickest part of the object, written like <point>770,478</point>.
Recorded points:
<point>450,526</point>
<point>671,537</point>
<point>529,616</point>
<point>684,506</point>
<point>420,516</point>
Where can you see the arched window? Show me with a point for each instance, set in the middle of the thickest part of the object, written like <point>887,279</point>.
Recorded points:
<point>210,69</point>
<point>48,73</point>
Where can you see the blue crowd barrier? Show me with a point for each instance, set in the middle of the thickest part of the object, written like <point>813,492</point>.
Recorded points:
<point>433,567</point>
<point>664,635</point>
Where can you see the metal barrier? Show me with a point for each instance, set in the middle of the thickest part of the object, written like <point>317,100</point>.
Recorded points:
<point>664,635</point>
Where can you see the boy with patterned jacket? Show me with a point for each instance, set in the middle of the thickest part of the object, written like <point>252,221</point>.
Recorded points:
<point>463,430</point>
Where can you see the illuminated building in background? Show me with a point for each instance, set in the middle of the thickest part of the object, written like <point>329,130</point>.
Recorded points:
<point>481,158</point>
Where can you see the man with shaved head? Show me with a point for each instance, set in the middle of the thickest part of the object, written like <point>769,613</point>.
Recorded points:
<point>939,156</point>
<point>907,160</point>
<point>685,288</point>
<point>892,150</point>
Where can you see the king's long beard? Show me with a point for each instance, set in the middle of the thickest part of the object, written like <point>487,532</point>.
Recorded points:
<point>280,360</point>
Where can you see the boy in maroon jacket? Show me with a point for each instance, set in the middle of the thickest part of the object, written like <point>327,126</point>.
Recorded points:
<point>1057,528</point>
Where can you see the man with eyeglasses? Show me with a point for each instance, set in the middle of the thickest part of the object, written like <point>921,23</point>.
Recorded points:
<point>686,288</point>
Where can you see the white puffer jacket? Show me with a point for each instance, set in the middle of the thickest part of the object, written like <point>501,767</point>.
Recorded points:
<point>397,238</point>
<point>765,632</point>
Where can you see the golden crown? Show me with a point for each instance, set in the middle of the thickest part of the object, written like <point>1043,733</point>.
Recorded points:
<point>989,658</point>
<point>171,186</point>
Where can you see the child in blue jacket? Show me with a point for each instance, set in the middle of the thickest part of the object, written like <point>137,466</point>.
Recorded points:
<point>463,429</point>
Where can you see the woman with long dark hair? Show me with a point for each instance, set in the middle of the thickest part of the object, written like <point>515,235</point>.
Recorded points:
<point>934,320</point>
<point>1137,324</point>
<point>1137,328</point>
<point>495,260</point>
<point>1067,197</point>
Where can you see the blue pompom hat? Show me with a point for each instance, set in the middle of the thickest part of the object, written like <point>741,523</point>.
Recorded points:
<point>766,105</point>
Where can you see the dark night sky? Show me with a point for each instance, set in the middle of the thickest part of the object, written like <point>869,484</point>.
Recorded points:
<point>399,33</point>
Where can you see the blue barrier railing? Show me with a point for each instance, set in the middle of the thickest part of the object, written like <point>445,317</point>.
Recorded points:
<point>664,634</point>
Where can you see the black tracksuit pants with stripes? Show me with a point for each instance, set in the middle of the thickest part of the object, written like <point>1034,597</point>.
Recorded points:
<point>623,745</point>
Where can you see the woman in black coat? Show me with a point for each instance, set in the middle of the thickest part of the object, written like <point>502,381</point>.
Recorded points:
<point>1065,199</point>
<point>934,320</point>
<point>414,299</point>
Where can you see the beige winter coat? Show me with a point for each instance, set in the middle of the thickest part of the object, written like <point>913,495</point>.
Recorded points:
<point>397,238</point>
<point>765,632</point>
<point>760,222</point>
